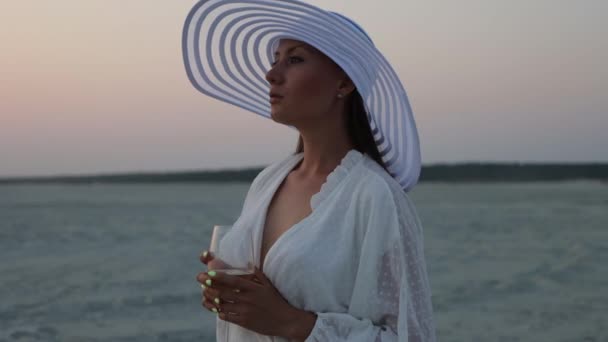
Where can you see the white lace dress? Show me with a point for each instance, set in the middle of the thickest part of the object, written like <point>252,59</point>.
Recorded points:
<point>357,260</point>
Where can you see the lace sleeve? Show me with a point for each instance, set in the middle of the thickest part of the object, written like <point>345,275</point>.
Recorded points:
<point>392,297</point>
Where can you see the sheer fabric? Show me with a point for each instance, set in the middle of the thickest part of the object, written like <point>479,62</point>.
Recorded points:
<point>357,260</point>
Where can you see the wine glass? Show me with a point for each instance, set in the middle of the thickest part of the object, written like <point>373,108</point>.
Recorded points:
<point>232,251</point>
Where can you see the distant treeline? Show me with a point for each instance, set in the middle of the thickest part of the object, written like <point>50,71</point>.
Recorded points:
<point>465,172</point>
<point>514,172</point>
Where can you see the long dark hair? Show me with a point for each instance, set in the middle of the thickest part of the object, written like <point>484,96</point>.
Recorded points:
<point>358,129</point>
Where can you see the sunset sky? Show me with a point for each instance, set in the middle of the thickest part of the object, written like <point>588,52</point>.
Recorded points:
<point>100,87</point>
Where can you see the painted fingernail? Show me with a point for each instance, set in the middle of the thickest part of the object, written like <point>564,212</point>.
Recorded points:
<point>214,310</point>
<point>216,300</point>
<point>203,286</point>
<point>205,254</point>
<point>208,282</point>
<point>211,273</point>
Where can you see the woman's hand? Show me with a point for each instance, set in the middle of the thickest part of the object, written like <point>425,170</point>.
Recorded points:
<point>254,303</point>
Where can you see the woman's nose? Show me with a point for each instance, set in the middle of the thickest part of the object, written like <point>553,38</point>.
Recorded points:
<point>274,75</point>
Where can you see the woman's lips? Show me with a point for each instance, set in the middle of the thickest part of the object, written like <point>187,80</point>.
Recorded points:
<point>275,99</point>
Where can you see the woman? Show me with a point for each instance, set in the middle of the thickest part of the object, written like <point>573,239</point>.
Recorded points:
<point>338,245</point>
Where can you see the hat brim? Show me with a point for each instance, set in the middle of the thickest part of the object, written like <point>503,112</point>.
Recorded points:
<point>228,47</point>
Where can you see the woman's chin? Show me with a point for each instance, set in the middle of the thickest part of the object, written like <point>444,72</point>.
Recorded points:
<point>277,117</point>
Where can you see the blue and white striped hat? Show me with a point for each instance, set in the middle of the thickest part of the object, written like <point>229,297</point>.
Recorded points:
<point>228,47</point>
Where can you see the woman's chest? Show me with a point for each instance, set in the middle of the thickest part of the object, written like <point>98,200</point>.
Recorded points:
<point>282,214</point>
<point>314,265</point>
<point>289,206</point>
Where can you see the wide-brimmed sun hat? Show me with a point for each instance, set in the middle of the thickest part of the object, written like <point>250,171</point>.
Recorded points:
<point>228,47</point>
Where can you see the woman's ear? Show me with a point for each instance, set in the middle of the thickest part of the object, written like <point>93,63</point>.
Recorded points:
<point>346,86</point>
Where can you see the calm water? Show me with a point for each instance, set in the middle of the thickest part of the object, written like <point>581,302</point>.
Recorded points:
<point>507,262</point>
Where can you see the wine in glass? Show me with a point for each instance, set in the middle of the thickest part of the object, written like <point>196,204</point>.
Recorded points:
<point>232,251</point>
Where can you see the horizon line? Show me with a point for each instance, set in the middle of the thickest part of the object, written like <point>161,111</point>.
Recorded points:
<point>249,168</point>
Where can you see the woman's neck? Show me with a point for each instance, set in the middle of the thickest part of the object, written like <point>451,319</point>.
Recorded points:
<point>322,154</point>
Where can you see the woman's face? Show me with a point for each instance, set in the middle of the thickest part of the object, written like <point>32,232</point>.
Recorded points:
<point>306,82</point>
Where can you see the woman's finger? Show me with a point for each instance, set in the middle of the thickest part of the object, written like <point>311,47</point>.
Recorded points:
<point>226,295</point>
<point>207,294</point>
<point>209,306</point>
<point>231,309</point>
<point>232,316</point>
<point>213,297</point>
<point>222,280</point>
<point>203,278</point>
<point>205,257</point>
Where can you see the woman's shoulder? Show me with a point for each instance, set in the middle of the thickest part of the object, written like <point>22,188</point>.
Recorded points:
<point>378,184</point>
<point>378,187</point>
<point>380,191</point>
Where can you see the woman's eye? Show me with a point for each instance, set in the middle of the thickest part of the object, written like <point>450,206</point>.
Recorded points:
<point>292,59</point>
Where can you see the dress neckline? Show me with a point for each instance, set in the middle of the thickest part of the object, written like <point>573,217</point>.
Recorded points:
<point>350,159</point>
<point>334,178</point>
